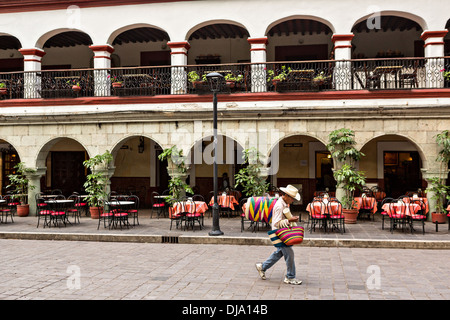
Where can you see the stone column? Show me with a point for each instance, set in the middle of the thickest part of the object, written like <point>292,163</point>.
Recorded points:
<point>342,72</point>
<point>179,55</point>
<point>35,180</point>
<point>32,75</point>
<point>434,48</point>
<point>102,62</point>
<point>258,58</point>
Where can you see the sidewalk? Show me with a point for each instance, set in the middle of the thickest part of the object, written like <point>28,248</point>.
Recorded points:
<point>363,234</point>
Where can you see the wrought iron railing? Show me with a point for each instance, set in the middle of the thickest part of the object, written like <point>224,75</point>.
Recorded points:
<point>302,76</point>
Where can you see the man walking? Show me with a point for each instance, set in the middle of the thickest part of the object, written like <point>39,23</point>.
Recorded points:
<point>289,194</point>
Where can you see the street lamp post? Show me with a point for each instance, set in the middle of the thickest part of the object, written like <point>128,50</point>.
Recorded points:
<point>215,80</point>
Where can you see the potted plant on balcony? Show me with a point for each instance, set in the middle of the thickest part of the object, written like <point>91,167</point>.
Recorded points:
<point>341,145</point>
<point>321,79</point>
<point>437,186</point>
<point>115,82</point>
<point>3,89</point>
<point>75,85</point>
<point>275,79</point>
<point>97,182</point>
<point>196,80</point>
<point>21,185</point>
<point>232,80</point>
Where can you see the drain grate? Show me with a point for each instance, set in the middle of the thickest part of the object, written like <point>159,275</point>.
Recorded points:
<point>169,239</point>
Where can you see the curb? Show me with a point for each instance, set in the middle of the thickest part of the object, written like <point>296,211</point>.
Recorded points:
<point>187,239</point>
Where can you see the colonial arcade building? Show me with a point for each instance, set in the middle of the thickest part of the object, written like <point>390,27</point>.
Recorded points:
<point>377,69</point>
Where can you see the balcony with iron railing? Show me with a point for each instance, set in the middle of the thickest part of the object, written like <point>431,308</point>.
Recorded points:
<point>244,78</point>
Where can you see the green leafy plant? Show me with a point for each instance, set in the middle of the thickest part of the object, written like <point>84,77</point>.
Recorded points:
<point>281,76</point>
<point>249,176</point>
<point>231,77</point>
<point>176,184</point>
<point>437,185</point>
<point>73,82</point>
<point>321,77</point>
<point>445,74</point>
<point>97,181</point>
<point>193,76</point>
<point>20,183</point>
<point>2,85</point>
<point>114,79</point>
<point>342,147</point>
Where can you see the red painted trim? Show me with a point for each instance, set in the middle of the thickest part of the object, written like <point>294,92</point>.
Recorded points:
<point>342,37</point>
<point>32,60</point>
<point>258,40</point>
<point>240,97</point>
<point>102,57</point>
<point>342,47</point>
<point>26,6</point>
<point>433,34</point>
<point>32,52</point>
<point>179,52</point>
<point>434,43</point>
<point>258,49</point>
<point>176,45</point>
<point>102,48</point>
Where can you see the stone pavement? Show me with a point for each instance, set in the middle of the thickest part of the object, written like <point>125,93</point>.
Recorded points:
<point>150,262</point>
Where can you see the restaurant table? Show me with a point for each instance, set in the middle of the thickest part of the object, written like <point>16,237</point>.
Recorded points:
<point>397,206</point>
<point>59,204</point>
<point>200,207</point>
<point>323,210</point>
<point>372,201</point>
<point>227,201</point>
<point>421,199</point>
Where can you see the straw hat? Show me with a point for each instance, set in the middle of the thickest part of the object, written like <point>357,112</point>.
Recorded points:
<point>292,191</point>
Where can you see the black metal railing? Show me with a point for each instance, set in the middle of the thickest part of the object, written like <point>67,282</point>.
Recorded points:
<point>301,76</point>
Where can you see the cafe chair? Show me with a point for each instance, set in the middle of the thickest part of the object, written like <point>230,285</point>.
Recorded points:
<point>317,215</point>
<point>418,216</point>
<point>75,209</point>
<point>176,216</point>
<point>336,215</point>
<point>119,217</point>
<point>58,213</point>
<point>106,215</point>
<point>190,213</point>
<point>42,210</point>
<point>384,213</point>
<point>9,209</point>
<point>134,209</point>
<point>397,214</point>
<point>367,205</point>
<point>158,204</point>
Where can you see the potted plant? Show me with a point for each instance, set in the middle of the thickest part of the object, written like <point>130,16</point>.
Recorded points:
<point>231,80</point>
<point>249,177</point>
<point>176,169</point>
<point>75,85</point>
<point>437,186</point>
<point>321,79</point>
<point>115,82</point>
<point>196,80</point>
<point>341,145</point>
<point>20,183</point>
<point>3,89</point>
<point>97,182</point>
<point>275,79</point>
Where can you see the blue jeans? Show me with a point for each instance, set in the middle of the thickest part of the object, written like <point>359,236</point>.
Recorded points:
<point>288,254</point>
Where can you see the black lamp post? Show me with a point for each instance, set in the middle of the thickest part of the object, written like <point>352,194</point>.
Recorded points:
<point>215,82</point>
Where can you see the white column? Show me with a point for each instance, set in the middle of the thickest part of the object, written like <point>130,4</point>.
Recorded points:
<point>179,54</point>
<point>342,73</point>
<point>258,58</point>
<point>434,48</point>
<point>102,62</point>
<point>32,75</point>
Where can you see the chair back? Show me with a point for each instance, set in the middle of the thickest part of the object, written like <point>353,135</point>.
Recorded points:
<point>198,197</point>
<point>334,207</point>
<point>317,207</point>
<point>134,199</point>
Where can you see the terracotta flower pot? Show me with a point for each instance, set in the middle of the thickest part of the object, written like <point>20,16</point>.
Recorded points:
<point>117,84</point>
<point>95,212</point>
<point>76,88</point>
<point>438,217</point>
<point>350,215</point>
<point>3,91</point>
<point>23,210</point>
<point>230,84</point>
